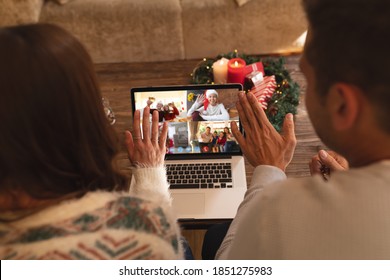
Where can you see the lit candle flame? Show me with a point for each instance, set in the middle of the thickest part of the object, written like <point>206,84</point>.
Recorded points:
<point>235,63</point>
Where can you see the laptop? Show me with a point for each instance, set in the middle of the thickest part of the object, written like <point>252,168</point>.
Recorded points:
<point>207,179</point>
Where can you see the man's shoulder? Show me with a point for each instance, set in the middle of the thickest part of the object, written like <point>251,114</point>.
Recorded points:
<point>343,184</point>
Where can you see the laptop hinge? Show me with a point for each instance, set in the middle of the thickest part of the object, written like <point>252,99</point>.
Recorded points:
<point>198,156</point>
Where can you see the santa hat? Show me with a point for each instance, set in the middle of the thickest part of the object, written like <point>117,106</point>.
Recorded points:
<point>211,91</point>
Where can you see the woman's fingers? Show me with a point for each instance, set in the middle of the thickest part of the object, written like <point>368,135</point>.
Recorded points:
<point>163,137</point>
<point>146,148</point>
<point>129,144</point>
<point>154,127</point>
<point>136,126</point>
<point>145,124</point>
<point>200,98</point>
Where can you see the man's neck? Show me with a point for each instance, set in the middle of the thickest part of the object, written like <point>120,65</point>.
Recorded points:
<point>374,149</point>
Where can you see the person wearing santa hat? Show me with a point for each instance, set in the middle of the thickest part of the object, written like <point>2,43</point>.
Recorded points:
<point>207,108</point>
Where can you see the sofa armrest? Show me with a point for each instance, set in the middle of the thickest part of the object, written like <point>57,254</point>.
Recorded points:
<point>14,12</point>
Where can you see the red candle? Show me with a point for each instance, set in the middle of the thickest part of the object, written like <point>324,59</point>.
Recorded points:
<point>236,71</point>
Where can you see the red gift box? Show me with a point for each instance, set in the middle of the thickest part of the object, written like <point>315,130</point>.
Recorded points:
<point>257,66</point>
<point>264,91</point>
<point>253,79</point>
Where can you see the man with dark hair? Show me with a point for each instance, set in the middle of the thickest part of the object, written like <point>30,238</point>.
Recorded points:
<point>348,101</point>
<point>207,136</point>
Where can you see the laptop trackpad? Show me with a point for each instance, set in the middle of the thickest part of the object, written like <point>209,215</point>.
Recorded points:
<point>188,204</point>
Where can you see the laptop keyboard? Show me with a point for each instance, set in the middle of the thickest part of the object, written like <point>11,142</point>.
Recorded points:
<point>199,175</point>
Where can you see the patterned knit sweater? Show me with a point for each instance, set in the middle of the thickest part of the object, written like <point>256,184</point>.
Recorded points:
<point>100,225</point>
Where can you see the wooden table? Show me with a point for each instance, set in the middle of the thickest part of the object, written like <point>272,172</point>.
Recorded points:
<point>117,79</point>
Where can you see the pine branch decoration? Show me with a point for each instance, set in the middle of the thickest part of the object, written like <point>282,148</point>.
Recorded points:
<point>286,97</point>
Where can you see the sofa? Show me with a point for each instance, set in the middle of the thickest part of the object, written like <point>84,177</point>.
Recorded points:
<point>167,30</point>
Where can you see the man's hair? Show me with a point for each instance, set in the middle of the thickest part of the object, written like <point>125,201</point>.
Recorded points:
<point>350,43</point>
<point>55,138</point>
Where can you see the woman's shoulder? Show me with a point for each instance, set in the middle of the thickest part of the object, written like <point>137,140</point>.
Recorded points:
<point>112,212</point>
<point>125,211</point>
<point>140,213</point>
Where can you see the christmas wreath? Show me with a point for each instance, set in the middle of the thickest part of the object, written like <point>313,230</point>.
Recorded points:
<point>276,91</point>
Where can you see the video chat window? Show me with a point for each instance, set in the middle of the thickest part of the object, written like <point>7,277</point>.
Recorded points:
<point>199,121</point>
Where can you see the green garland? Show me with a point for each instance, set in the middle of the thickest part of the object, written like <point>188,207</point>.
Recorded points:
<point>284,100</point>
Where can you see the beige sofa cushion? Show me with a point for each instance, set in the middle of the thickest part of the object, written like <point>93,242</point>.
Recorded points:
<point>14,12</point>
<point>122,30</point>
<point>211,27</point>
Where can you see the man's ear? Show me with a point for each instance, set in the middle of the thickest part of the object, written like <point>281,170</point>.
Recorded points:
<point>343,104</point>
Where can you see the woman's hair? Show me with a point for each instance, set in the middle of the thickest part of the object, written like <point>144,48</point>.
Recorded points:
<point>349,43</point>
<point>55,138</point>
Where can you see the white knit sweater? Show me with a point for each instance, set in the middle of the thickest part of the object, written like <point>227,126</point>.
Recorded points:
<point>100,225</point>
<point>346,217</point>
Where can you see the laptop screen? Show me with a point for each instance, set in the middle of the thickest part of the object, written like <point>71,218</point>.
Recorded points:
<point>199,117</point>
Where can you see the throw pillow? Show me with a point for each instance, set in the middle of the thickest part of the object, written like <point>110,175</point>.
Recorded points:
<point>14,12</point>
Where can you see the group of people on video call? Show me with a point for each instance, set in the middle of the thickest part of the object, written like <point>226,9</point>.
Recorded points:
<point>63,196</point>
<point>220,141</point>
<point>167,112</point>
<point>205,108</point>
<point>212,110</point>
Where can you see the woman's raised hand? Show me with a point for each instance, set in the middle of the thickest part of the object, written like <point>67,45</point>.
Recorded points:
<point>200,99</point>
<point>146,149</point>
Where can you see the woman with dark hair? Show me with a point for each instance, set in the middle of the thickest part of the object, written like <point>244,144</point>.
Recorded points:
<point>228,134</point>
<point>61,193</point>
<point>230,140</point>
<point>221,141</point>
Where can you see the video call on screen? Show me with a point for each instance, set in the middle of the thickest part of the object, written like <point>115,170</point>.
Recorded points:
<point>195,124</point>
